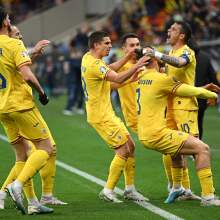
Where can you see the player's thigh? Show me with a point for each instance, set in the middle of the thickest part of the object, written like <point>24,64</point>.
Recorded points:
<point>30,125</point>
<point>167,142</point>
<point>187,121</point>
<point>194,146</point>
<point>113,132</point>
<point>10,127</point>
<point>37,112</point>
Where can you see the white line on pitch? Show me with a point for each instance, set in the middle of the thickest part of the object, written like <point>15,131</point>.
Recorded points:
<point>146,205</point>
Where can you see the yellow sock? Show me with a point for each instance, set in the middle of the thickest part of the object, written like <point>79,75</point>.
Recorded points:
<point>47,174</point>
<point>29,190</point>
<point>185,180</point>
<point>34,163</point>
<point>129,171</point>
<point>28,187</point>
<point>177,174</point>
<point>206,181</point>
<point>11,177</point>
<point>115,170</point>
<point>167,162</point>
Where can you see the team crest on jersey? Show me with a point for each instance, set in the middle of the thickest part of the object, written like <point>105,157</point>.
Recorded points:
<point>103,70</point>
<point>24,53</point>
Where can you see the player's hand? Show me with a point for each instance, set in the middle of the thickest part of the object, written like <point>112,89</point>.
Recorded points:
<point>212,102</point>
<point>149,52</point>
<point>142,61</point>
<point>136,76</point>
<point>38,48</point>
<point>130,54</point>
<point>43,98</point>
<point>212,87</point>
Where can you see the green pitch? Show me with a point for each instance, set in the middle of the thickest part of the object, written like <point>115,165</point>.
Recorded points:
<point>79,146</point>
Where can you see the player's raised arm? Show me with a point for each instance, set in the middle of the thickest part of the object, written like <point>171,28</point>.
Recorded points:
<point>172,60</point>
<point>119,63</point>
<point>123,76</point>
<point>37,50</point>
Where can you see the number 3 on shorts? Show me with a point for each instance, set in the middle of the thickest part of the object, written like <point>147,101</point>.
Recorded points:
<point>2,82</point>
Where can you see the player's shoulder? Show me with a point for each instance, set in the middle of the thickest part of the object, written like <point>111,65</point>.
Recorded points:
<point>16,42</point>
<point>187,50</point>
<point>89,60</point>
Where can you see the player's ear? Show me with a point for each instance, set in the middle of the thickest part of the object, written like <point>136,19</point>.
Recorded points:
<point>96,45</point>
<point>182,36</point>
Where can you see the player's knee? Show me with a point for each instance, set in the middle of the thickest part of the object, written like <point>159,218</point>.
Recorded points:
<point>205,149</point>
<point>123,151</point>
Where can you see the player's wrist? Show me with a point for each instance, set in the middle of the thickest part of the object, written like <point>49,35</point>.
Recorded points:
<point>158,55</point>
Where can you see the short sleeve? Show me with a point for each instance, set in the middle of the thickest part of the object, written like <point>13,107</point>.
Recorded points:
<point>21,56</point>
<point>187,54</point>
<point>99,69</point>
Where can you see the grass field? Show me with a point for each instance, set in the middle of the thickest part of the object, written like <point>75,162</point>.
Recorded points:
<point>79,146</point>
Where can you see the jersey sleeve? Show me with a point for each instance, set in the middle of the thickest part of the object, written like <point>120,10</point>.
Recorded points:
<point>99,69</point>
<point>21,56</point>
<point>187,54</point>
<point>169,84</point>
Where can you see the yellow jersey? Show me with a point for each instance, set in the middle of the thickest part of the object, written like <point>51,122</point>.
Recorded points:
<point>15,93</point>
<point>127,95</point>
<point>152,94</point>
<point>96,89</point>
<point>185,74</point>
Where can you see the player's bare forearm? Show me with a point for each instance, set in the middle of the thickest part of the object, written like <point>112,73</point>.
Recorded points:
<point>31,79</point>
<point>173,61</point>
<point>118,64</point>
<point>123,76</point>
<point>115,85</point>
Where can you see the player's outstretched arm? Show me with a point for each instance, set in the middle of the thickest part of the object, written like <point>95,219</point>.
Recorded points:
<point>112,76</point>
<point>37,50</point>
<point>121,62</point>
<point>173,61</point>
<point>189,91</point>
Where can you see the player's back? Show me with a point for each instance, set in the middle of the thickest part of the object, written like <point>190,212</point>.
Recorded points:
<point>96,89</point>
<point>15,94</point>
<point>152,95</point>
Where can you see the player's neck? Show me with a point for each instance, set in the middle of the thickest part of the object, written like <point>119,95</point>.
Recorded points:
<point>4,31</point>
<point>95,54</point>
<point>178,45</point>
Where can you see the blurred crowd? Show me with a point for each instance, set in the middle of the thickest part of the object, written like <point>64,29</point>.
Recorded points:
<point>151,18</point>
<point>59,70</point>
<point>23,9</point>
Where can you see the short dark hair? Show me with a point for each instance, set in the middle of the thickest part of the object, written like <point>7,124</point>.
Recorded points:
<point>3,15</point>
<point>96,37</point>
<point>126,36</point>
<point>185,29</point>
